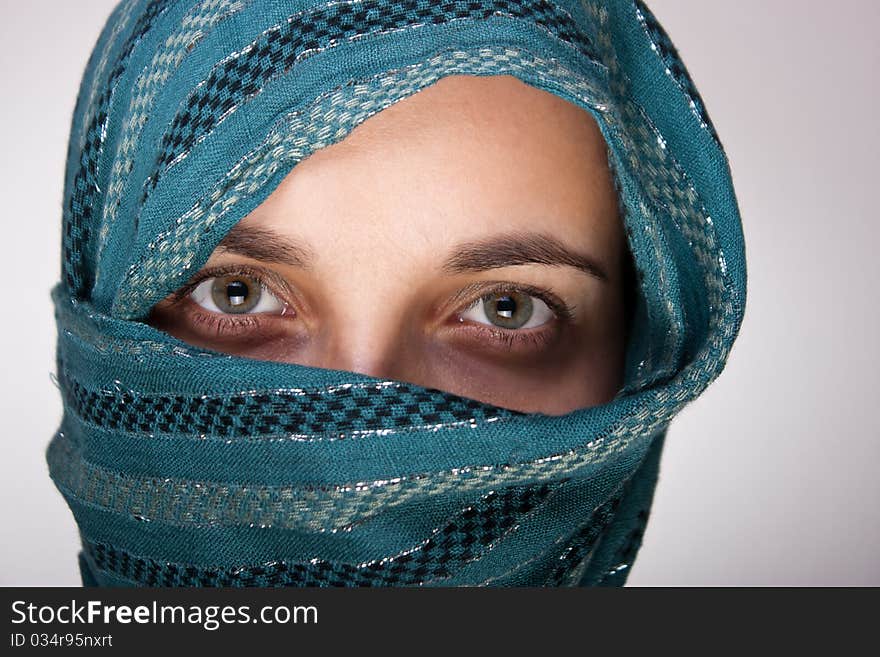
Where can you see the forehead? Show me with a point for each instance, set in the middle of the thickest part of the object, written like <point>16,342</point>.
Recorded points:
<point>475,154</point>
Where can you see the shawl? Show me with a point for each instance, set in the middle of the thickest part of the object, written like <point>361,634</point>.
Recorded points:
<point>187,467</point>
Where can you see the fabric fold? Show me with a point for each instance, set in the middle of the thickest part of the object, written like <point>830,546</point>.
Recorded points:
<point>183,466</point>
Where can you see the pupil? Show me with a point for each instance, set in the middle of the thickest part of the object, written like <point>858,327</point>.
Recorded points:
<point>237,292</point>
<point>505,307</point>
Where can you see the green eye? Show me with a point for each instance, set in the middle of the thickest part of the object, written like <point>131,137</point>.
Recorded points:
<point>510,310</point>
<point>235,295</point>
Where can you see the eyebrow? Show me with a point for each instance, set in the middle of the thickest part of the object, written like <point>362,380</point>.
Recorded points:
<point>519,248</point>
<point>504,250</point>
<point>268,246</point>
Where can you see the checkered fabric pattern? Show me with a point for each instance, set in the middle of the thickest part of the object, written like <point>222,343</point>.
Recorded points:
<point>185,467</point>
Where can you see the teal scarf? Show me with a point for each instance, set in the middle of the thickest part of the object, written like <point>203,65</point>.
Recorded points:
<point>187,467</point>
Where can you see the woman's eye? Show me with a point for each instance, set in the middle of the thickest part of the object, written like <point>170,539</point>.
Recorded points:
<point>510,310</point>
<point>235,295</point>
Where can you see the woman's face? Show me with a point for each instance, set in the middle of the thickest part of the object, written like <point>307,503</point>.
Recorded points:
<point>466,238</point>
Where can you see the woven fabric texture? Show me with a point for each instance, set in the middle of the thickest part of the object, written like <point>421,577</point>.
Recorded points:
<point>185,467</point>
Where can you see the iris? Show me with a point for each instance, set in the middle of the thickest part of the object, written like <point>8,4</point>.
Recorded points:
<point>235,294</point>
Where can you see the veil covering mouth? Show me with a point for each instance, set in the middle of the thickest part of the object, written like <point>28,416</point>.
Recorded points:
<point>186,467</point>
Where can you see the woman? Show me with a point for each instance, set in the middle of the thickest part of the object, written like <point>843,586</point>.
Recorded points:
<point>383,293</point>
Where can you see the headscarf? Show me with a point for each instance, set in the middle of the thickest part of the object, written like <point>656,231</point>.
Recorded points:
<point>183,466</point>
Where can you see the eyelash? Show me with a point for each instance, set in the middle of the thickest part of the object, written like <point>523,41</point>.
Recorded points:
<point>226,270</point>
<point>509,338</point>
<point>223,324</point>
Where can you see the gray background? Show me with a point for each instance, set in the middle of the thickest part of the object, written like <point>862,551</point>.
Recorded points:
<point>768,479</point>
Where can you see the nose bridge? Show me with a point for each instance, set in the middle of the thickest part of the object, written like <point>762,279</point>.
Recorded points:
<point>365,349</point>
<point>366,291</point>
<point>366,329</point>
<point>345,351</point>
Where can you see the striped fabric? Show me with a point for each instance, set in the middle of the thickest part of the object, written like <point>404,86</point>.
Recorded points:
<point>184,467</point>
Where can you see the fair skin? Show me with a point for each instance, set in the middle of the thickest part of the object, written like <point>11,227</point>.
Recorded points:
<point>408,251</point>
